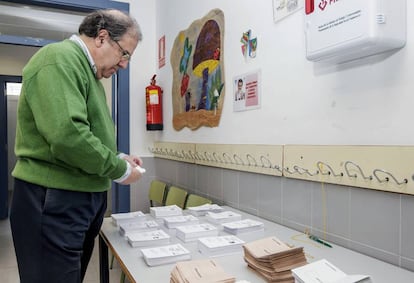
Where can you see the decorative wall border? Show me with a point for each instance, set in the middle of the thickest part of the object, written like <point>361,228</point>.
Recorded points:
<point>385,168</point>
<point>263,159</point>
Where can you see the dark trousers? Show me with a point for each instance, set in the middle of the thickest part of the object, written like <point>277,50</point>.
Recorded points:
<point>54,231</point>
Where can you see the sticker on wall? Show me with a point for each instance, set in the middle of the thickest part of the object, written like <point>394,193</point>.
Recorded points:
<point>249,44</point>
<point>161,52</point>
<point>246,91</point>
<point>198,73</point>
<point>283,8</point>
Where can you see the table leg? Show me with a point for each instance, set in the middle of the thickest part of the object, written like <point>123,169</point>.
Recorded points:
<point>103,261</point>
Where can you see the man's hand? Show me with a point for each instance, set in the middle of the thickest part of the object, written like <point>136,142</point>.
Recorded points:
<point>133,160</point>
<point>133,177</point>
<point>136,172</point>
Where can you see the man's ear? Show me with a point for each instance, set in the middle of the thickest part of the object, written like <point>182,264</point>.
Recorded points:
<point>99,40</point>
<point>102,35</point>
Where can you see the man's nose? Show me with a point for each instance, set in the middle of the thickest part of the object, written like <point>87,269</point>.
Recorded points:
<point>123,64</point>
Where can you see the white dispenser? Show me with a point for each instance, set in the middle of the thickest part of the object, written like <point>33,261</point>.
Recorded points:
<point>343,30</point>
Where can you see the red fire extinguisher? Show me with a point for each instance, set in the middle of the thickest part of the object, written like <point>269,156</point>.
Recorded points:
<point>153,95</point>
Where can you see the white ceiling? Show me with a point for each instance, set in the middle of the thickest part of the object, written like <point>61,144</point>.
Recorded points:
<point>30,21</point>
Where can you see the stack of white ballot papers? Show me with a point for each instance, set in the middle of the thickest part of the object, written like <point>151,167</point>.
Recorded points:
<point>193,232</point>
<point>147,225</point>
<point>197,271</point>
<point>181,220</point>
<point>125,217</point>
<point>165,254</point>
<point>222,217</point>
<point>201,210</point>
<point>243,226</point>
<point>148,238</point>
<point>220,245</point>
<point>165,211</point>
<point>322,271</point>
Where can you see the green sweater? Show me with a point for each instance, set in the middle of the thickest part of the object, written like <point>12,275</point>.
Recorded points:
<point>65,135</point>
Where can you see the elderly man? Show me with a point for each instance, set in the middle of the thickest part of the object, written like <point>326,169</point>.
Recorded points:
<point>66,150</point>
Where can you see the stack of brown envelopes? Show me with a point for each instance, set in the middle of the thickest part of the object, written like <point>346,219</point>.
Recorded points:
<point>200,271</point>
<point>273,259</point>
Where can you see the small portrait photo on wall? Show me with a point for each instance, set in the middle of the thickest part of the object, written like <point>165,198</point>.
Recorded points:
<point>246,91</point>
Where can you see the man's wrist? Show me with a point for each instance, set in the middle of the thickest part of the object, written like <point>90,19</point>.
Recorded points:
<point>126,174</point>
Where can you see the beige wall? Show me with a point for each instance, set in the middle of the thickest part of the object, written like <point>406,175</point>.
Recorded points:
<point>14,57</point>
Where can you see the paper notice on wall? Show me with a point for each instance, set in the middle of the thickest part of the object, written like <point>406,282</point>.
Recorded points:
<point>283,8</point>
<point>246,91</point>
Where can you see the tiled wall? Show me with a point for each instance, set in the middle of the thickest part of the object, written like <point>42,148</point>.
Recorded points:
<point>380,224</point>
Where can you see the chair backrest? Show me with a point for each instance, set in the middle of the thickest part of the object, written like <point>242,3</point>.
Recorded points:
<point>196,200</point>
<point>176,195</point>
<point>157,192</point>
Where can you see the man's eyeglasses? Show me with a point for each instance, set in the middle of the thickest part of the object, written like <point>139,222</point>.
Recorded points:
<point>125,54</point>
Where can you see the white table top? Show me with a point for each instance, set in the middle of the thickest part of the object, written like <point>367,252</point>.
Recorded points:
<point>347,260</point>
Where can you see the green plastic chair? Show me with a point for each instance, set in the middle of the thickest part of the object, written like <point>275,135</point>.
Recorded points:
<point>157,192</point>
<point>177,196</point>
<point>196,200</point>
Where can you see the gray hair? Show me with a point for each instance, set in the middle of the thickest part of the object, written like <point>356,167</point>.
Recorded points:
<point>116,22</point>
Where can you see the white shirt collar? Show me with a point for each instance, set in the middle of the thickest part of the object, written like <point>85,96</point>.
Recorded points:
<point>85,49</point>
